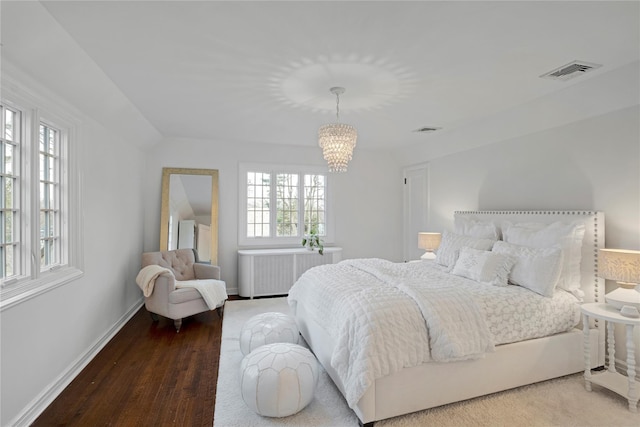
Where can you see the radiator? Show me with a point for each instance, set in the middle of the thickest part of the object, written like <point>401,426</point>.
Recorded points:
<point>273,271</point>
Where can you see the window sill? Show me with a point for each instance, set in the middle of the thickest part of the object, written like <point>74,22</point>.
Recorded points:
<point>21,291</point>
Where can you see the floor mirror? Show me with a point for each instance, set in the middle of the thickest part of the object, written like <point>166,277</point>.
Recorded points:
<point>189,214</point>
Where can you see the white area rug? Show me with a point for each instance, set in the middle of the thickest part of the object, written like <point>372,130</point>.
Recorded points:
<point>327,409</point>
<point>560,402</point>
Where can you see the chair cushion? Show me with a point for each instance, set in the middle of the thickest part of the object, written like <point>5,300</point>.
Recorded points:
<point>183,295</point>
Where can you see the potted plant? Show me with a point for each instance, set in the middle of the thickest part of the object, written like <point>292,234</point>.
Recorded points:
<point>312,241</point>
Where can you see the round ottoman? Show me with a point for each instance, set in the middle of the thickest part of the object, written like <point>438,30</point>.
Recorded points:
<point>267,328</point>
<point>278,380</point>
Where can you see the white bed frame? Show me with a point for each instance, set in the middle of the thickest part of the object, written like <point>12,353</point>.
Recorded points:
<point>511,365</point>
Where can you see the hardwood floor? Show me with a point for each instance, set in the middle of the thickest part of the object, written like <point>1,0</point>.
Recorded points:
<point>147,375</point>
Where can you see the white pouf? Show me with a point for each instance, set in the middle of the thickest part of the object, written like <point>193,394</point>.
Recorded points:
<point>268,328</point>
<point>278,380</point>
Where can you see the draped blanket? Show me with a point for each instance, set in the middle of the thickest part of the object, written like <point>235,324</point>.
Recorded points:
<point>146,278</point>
<point>457,327</point>
<point>385,319</point>
<point>214,292</point>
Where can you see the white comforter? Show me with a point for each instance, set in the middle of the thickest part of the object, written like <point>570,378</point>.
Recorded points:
<point>378,313</point>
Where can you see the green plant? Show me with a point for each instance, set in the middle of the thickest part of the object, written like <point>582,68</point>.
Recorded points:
<point>312,240</point>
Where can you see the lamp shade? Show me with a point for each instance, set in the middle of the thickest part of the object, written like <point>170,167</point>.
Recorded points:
<point>623,266</point>
<point>620,265</point>
<point>429,241</point>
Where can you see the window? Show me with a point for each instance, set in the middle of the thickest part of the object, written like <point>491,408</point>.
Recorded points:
<point>280,204</point>
<point>49,196</point>
<point>40,246</point>
<point>9,213</point>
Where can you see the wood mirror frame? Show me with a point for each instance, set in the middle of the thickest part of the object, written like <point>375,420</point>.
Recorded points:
<point>165,210</point>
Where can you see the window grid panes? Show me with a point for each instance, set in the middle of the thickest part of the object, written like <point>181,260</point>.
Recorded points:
<point>287,204</point>
<point>258,204</point>
<point>10,139</point>
<point>314,204</point>
<point>49,196</point>
<point>297,199</point>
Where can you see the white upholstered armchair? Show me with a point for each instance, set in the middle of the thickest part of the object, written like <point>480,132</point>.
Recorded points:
<point>176,286</point>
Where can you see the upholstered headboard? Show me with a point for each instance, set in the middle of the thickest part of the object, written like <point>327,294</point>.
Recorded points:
<point>591,284</point>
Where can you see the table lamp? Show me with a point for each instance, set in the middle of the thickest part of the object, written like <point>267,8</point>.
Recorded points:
<point>623,266</point>
<point>429,242</point>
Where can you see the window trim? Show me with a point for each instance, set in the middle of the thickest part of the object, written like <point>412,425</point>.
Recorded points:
<point>243,169</point>
<point>37,108</point>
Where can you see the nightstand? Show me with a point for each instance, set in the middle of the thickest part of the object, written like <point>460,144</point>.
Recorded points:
<point>611,379</point>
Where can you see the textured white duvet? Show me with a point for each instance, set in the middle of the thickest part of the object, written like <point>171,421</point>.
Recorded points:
<point>378,313</point>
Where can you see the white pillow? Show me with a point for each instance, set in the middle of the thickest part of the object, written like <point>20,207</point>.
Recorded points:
<point>473,228</point>
<point>451,244</point>
<point>537,269</point>
<point>486,267</point>
<point>567,236</point>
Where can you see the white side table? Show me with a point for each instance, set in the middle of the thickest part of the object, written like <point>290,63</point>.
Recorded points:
<point>611,379</point>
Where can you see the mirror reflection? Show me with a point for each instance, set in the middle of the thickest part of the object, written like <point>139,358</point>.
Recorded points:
<point>189,217</point>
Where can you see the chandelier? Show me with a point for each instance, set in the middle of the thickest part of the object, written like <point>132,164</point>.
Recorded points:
<point>337,139</point>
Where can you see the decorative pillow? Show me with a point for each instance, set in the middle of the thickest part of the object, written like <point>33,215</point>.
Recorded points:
<point>451,244</point>
<point>486,267</point>
<point>537,269</point>
<point>474,228</point>
<point>567,236</point>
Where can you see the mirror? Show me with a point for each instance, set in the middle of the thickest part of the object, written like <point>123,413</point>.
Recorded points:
<point>189,215</point>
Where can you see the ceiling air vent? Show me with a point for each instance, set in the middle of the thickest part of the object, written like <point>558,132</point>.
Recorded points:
<point>571,70</point>
<point>426,129</point>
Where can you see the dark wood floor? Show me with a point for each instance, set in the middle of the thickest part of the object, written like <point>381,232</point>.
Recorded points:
<point>147,375</point>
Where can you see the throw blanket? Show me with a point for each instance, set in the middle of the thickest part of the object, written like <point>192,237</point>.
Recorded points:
<point>456,324</point>
<point>214,292</point>
<point>146,278</point>
<point>378,315</point>
<point>457,327</point>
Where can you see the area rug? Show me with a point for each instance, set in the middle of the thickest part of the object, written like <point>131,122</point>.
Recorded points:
<point>560,402</point>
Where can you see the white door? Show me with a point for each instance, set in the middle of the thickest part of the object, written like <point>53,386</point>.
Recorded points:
<point>186,234</point>
<point>416,208</point>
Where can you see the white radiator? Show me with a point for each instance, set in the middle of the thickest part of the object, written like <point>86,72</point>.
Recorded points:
<point>273,271</point>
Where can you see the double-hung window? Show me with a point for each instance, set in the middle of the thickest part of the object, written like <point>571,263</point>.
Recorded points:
<point>40,245</point>
<point>11,139</point>
<point>281,204</point>
<point>49,192</point>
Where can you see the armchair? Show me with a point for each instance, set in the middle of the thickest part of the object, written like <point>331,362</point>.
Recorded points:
<point>180,290</point>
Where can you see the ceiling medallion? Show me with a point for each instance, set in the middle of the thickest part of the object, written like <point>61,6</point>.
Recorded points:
<point>373,83</point>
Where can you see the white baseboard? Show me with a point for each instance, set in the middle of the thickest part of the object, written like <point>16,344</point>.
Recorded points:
<point>33,410</point>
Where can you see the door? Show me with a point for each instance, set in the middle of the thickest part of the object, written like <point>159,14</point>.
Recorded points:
<point>416,208</point>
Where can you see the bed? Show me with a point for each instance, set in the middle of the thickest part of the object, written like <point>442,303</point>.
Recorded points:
<point>401,337</point>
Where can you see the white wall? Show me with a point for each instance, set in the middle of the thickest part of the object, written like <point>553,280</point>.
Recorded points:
<point>367,199</point>
<point>46,340</point>
<point>591,164</point>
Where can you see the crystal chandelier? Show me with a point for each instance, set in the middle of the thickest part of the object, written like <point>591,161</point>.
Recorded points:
<point>337,139</point>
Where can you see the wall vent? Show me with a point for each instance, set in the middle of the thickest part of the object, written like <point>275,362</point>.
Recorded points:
<point>570,70</point>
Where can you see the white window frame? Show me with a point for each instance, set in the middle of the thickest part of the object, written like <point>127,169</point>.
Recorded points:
<point>37,108</point>
<point>272,241</point>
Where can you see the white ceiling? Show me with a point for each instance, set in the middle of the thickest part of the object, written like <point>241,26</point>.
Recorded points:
<point>261,71</point>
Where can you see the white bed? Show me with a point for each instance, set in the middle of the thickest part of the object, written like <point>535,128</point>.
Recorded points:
<point>420,382</point>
